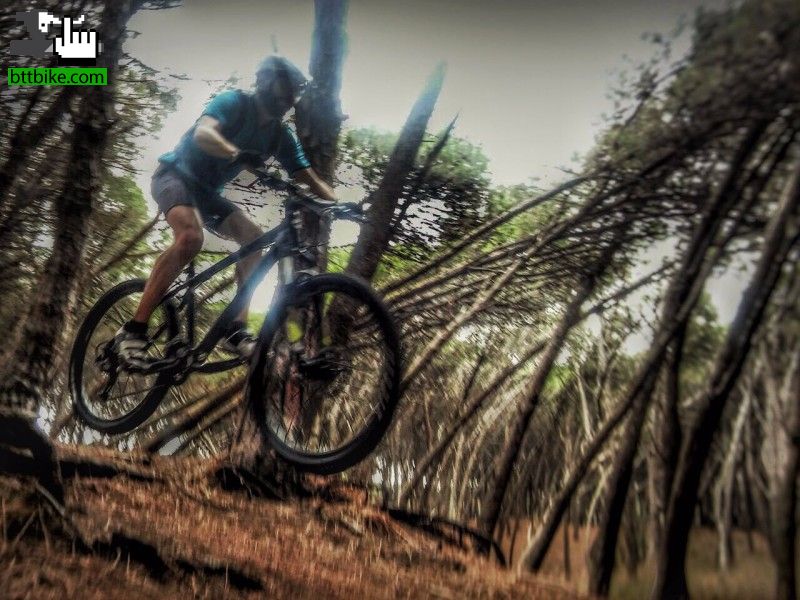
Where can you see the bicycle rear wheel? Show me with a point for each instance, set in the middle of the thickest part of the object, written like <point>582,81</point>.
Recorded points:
<point>325,379</point>
<point>105,398</point>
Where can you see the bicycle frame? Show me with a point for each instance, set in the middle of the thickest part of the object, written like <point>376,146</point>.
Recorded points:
<point>282,243</point>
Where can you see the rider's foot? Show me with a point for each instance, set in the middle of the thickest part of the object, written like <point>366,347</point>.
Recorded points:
<point>239,341</point>
<point>131,343</point>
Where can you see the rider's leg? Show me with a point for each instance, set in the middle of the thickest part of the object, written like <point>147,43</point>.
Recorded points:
<point>187,242</point>
<point>240,228</point>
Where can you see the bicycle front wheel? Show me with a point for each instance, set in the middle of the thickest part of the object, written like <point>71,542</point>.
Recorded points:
<point>325,378</point>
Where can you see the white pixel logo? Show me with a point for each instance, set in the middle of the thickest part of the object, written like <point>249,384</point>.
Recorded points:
<point>73,46</point>
<point>76,44</point>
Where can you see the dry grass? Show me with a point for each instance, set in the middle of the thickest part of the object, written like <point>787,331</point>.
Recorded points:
<point>167,530</point>
<point>750,578</point>
<point>194,539</point>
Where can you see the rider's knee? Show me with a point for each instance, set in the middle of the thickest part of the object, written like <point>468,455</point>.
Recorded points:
<point>252,233</point>
<point>189,242</point>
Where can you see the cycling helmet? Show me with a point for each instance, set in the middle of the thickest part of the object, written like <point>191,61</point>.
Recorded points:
<point>279,84</point>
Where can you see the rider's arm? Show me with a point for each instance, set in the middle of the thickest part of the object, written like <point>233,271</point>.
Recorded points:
<point>317,185</point>
<point>208,137</point>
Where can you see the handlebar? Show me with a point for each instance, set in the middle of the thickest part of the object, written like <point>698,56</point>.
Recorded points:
<point>351,211</point>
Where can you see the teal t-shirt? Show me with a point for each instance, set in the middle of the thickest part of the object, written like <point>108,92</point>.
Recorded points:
<point>237,114</point>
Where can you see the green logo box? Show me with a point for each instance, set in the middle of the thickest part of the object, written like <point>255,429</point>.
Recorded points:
<point>57,76</point>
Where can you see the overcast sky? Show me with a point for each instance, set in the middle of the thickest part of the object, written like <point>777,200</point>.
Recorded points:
<point>529,78</point>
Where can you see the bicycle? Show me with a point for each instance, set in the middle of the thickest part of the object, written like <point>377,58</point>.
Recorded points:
<point>324,380</point>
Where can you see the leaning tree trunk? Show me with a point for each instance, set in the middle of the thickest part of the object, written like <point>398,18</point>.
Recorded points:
<point>504,464</point>
<point>473,405</point>
<point>723,495</point>
<point>602,554</point>
<point>783,487</point>
<point>681,296</point>
<point>27,137</point>
<point>666,443</point>
<point>782,234</point>
<point>694,269</point>
<point>376,233</point>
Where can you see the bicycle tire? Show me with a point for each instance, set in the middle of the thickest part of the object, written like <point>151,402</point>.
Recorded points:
<point>372,433</point>
<point>144,409</point>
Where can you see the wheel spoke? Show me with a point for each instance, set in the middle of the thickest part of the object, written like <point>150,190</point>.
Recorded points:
<point>343,386</point>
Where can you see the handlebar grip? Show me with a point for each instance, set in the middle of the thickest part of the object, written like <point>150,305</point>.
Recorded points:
<point>352,211</point>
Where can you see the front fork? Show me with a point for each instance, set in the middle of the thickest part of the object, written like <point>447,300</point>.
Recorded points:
<point>188,300</point>
<point>300,263</point>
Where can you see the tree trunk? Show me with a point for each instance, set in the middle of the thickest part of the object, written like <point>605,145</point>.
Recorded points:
<point>375,235</point>
<point>602,554</point>
<point>318,115</point>
<point>27,138</point>
<point>631,540</point>
<point>782,234</point>
<point>680,298</point>
<point>472,406</point>
<point>783,492</point>
<point>521,420</point>
<point>565,543</point>
<point>666,442</point>
<point>28,369</point>
<point>480,233</point>
<point>724,491</point>
<point>28,372</point>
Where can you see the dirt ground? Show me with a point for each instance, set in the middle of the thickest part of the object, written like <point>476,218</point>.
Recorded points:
<point>168,531</point>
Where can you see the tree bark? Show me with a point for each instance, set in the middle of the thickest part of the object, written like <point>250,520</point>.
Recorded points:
<point>783,491</point>
<point>423,358</point>
<point>27,138</point>
<point>781,235</point>
<point>376,233</point>
<point>534,555</point>
<point>504,464</point>
<point>724,492</point>
<point>666,442</point>
<point>27,372</point>
<point>602,554</point>
<point>680,298</point>
<point>472,408</point>
<point>318,115</point>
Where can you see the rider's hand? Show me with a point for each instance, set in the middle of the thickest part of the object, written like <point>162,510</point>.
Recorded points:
<point>249,158</point>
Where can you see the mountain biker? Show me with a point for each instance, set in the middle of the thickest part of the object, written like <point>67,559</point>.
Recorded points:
<point>235,131</point>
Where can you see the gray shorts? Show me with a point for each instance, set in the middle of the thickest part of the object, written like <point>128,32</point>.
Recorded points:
<point>170,189</point>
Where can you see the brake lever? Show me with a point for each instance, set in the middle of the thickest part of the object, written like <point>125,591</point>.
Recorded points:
<point>356,212</point>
